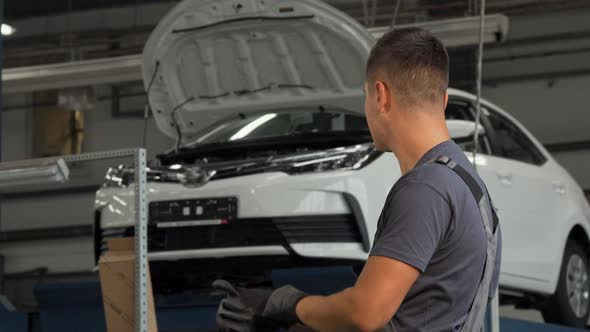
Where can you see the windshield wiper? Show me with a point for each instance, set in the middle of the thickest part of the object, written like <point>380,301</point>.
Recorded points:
<point>243,92</point>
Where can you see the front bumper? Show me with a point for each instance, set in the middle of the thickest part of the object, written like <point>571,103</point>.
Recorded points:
<point>330,215</point>
<point>328,236</point>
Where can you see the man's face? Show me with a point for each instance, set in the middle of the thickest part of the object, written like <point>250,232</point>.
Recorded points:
<point>375,117</point>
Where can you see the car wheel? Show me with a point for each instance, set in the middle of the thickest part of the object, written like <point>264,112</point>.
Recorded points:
<point>570,305</point>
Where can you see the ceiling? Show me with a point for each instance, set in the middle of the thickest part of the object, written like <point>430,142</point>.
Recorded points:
<point>435,8</point>
<point>109,41</point>
<point>32,8</point>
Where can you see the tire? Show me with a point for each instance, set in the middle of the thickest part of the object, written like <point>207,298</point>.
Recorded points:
<point>570,305</point>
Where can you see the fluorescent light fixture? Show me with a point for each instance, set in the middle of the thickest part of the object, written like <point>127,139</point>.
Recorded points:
<point>459,31</point>
<point>250,127</point>
<point>7,30</point>
<point>72,74</point>
<point>24,173</point>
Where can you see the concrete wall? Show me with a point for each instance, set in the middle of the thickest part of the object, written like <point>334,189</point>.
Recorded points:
<point>555,111</point>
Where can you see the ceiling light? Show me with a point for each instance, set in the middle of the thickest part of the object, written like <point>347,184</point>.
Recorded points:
<point>7,30</point>
<point>27,173</point>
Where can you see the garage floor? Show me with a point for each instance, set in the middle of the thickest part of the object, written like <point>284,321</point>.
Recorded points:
<point>77,306</point>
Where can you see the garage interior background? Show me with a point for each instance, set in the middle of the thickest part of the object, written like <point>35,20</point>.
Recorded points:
<point>540,75</point>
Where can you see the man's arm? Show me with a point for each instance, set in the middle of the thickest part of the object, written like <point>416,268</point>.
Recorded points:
<point>368,306</point>
<point>412,227</point>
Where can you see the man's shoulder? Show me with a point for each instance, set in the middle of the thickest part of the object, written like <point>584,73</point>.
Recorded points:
<point>434,176</point>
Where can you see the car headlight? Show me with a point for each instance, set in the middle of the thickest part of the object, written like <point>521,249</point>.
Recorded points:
<point>344,158</point>
<point>118,177</point>
<point>122,176</point>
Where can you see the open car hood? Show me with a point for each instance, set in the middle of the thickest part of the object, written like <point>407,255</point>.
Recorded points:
<point>209,59</point>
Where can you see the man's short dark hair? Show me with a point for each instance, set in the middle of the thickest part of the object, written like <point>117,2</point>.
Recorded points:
<point>414,62</point>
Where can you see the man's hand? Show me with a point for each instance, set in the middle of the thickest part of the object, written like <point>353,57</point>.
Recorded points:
<point>240,310</point>
<point>368,306</point>
<point>251,310</point>
<point>281,304</point>
<point>232,315</point>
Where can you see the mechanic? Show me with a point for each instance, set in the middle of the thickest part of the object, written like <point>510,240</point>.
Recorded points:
<point>435,259</point>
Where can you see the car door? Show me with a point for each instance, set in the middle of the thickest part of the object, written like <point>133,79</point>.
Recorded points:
<point>525,195</point>
<point>522,190</point>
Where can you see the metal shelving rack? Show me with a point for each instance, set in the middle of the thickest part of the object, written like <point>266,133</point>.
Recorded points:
<point>141,260</point>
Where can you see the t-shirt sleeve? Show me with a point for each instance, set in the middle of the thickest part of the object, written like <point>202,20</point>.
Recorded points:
<point>413,226</point>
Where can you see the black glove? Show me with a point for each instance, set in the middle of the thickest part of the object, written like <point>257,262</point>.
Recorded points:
<point>241,309</point>
<point>233,316</point>
<point>256,310</point>
<point>280,306</point>
<point>253,298</point>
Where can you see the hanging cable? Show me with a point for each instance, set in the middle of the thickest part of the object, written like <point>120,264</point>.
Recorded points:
<point>373,13</point>
<point>70,32</point>
<point>478,81</point>
<point>175,121</point>
<point>395,12</point>
<point>366,12</point>
<point>69,17</point>
<point>147,109</point>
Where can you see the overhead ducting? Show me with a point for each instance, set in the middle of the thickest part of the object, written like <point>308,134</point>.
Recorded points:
<point>460,31</point>
<point>453,33</point>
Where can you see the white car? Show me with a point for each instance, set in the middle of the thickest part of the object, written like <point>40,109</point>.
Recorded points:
<point>274,164</point>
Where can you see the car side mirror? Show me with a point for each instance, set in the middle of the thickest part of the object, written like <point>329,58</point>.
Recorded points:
<point>461,129</point>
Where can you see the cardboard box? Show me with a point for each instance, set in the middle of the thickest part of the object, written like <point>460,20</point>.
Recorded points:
<point>117,281</point>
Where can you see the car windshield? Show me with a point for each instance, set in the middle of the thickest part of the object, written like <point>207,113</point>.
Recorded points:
<point>281,124</point>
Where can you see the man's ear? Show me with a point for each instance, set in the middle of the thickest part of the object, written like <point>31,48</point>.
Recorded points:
<point>383,96</point>
<point>446,99</point>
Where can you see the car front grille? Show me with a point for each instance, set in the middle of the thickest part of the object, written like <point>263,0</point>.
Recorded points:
<point>257,232</point>
<point>242,232</point>
<point>319,229</point>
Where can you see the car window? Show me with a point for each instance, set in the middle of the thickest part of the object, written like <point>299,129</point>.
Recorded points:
<point>511,142</point>
<point>461,110</point>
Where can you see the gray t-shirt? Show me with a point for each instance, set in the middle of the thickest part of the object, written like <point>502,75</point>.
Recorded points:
<point>431,221</point>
